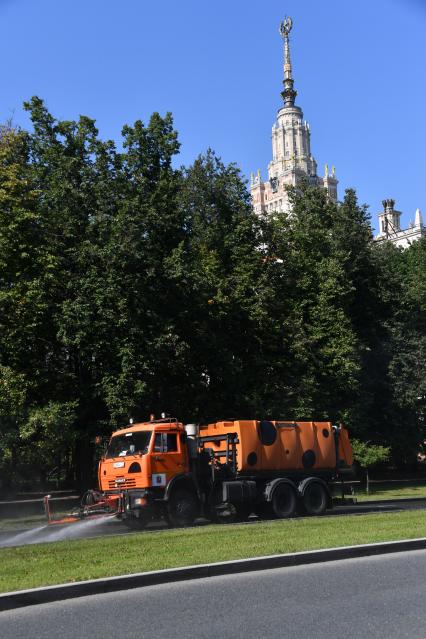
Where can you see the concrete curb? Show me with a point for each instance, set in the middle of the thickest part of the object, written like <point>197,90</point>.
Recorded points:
<point>36,596</point>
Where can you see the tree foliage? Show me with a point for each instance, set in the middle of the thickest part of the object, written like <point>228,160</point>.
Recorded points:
<point>128,286</point>
<point>368,454</point>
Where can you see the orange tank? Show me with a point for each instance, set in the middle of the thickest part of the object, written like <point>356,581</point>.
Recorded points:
<point>282,445</point>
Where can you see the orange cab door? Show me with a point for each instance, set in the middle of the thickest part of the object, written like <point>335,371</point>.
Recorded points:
<point>168,458</point>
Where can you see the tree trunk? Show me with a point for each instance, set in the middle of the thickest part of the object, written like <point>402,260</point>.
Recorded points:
<point>84,463</point>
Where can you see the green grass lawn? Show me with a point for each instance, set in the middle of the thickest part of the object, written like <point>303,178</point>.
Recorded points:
<point>392,491</point>
<point>69,561</point>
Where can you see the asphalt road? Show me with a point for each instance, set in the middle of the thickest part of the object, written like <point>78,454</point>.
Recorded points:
<point>112,526</point>
<point>370,597</point>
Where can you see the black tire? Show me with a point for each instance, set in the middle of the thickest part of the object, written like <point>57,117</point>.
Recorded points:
<point>284,501</point>
<point>182,508</point>
<point>315,499</point>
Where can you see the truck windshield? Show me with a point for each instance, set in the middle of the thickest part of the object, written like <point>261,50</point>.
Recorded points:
<point>129,444</point>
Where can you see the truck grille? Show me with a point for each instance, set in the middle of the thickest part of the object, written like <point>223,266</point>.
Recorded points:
<point>129,482</point>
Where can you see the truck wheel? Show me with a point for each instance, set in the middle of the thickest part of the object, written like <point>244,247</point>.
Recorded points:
<point>284,501</point>
<point>315,499</point>
<point>181,508</point>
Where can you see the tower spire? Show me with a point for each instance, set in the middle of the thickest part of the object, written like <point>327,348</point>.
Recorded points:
<point>289,93</point>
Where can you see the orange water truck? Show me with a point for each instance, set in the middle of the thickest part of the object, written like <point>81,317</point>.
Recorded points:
<point>225,470</point>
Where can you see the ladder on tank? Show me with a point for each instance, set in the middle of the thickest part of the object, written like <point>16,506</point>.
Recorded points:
<point>229,454</point>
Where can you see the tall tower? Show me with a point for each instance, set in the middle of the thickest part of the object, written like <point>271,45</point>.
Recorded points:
<point>390,226</point>
<point>389,219</point>
<point>292,159</point>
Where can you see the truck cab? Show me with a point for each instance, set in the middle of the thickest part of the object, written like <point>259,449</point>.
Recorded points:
<point>143,462</point>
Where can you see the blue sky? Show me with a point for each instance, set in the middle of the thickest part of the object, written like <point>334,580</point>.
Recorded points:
<point>359,70</point>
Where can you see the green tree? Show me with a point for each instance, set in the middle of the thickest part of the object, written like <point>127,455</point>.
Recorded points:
<point>324,291</point>
<point>148,354</point>
<point>128,287</point>
<point>223,267</point>
<point>62,162</point>
<point>368,455</point>
<point>25,321</point>
<point>407,354</point>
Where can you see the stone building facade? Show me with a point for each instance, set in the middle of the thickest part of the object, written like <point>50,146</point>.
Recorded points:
<point>390,226</point>
<point>292,159</point>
